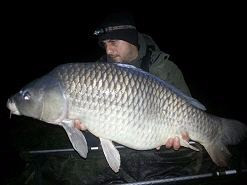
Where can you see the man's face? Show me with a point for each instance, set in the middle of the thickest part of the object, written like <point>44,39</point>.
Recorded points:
<point>120,51</point>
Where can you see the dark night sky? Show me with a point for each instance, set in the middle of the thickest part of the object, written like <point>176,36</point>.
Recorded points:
<point>207,42</point>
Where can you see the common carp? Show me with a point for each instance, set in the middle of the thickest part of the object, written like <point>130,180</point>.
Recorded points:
<point>123,104</point>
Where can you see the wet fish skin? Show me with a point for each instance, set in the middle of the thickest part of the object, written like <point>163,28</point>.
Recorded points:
<point>123,104</point>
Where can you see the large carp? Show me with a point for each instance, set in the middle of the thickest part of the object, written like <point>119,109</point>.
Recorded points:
<point>124,104</point>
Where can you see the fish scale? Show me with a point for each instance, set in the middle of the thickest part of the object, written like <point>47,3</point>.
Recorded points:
<point>121,103</point>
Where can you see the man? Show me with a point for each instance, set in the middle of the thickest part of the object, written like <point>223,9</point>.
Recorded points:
<point>123,44</point>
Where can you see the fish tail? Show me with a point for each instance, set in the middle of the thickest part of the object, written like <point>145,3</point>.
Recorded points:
<point>232,133</point>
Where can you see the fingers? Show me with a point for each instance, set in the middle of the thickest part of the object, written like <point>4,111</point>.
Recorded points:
<point>79,125</point>
<point>175,142</point>
<point>169,143</point>
<point>185,136</point>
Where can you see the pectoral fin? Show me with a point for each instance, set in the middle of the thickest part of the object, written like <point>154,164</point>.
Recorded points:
<point>77,139</point>
<point>111,153</point>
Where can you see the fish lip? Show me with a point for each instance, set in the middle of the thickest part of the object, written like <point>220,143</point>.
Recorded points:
<point>12,107</point>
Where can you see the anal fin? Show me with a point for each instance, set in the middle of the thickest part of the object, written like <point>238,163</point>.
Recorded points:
<point>111,154</point>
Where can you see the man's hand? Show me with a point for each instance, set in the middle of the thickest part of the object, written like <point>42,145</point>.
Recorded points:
<point>79,125</point>
<point>175,142</point>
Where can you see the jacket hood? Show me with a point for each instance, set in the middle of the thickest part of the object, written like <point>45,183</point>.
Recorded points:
<point>144,41</point>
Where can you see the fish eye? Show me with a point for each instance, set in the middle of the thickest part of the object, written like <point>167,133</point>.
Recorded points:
<point>26,95</point>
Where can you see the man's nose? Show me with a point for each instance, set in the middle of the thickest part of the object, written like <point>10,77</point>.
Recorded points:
<point>109,50</point>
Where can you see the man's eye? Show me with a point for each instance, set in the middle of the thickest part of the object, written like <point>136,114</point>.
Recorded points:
<point>26,95</point>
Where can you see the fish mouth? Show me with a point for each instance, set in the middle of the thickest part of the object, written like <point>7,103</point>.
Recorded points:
<point>12,107</point>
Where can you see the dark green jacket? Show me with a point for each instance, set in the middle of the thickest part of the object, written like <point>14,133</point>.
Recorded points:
<point>160,65</point>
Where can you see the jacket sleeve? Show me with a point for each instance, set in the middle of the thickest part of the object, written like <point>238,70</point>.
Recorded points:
<point>165,69</point>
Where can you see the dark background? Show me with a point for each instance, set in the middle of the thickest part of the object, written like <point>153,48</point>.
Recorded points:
<point>206,41</point>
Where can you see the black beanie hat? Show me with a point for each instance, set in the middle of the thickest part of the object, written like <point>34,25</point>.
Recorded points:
<point>118,26</point>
